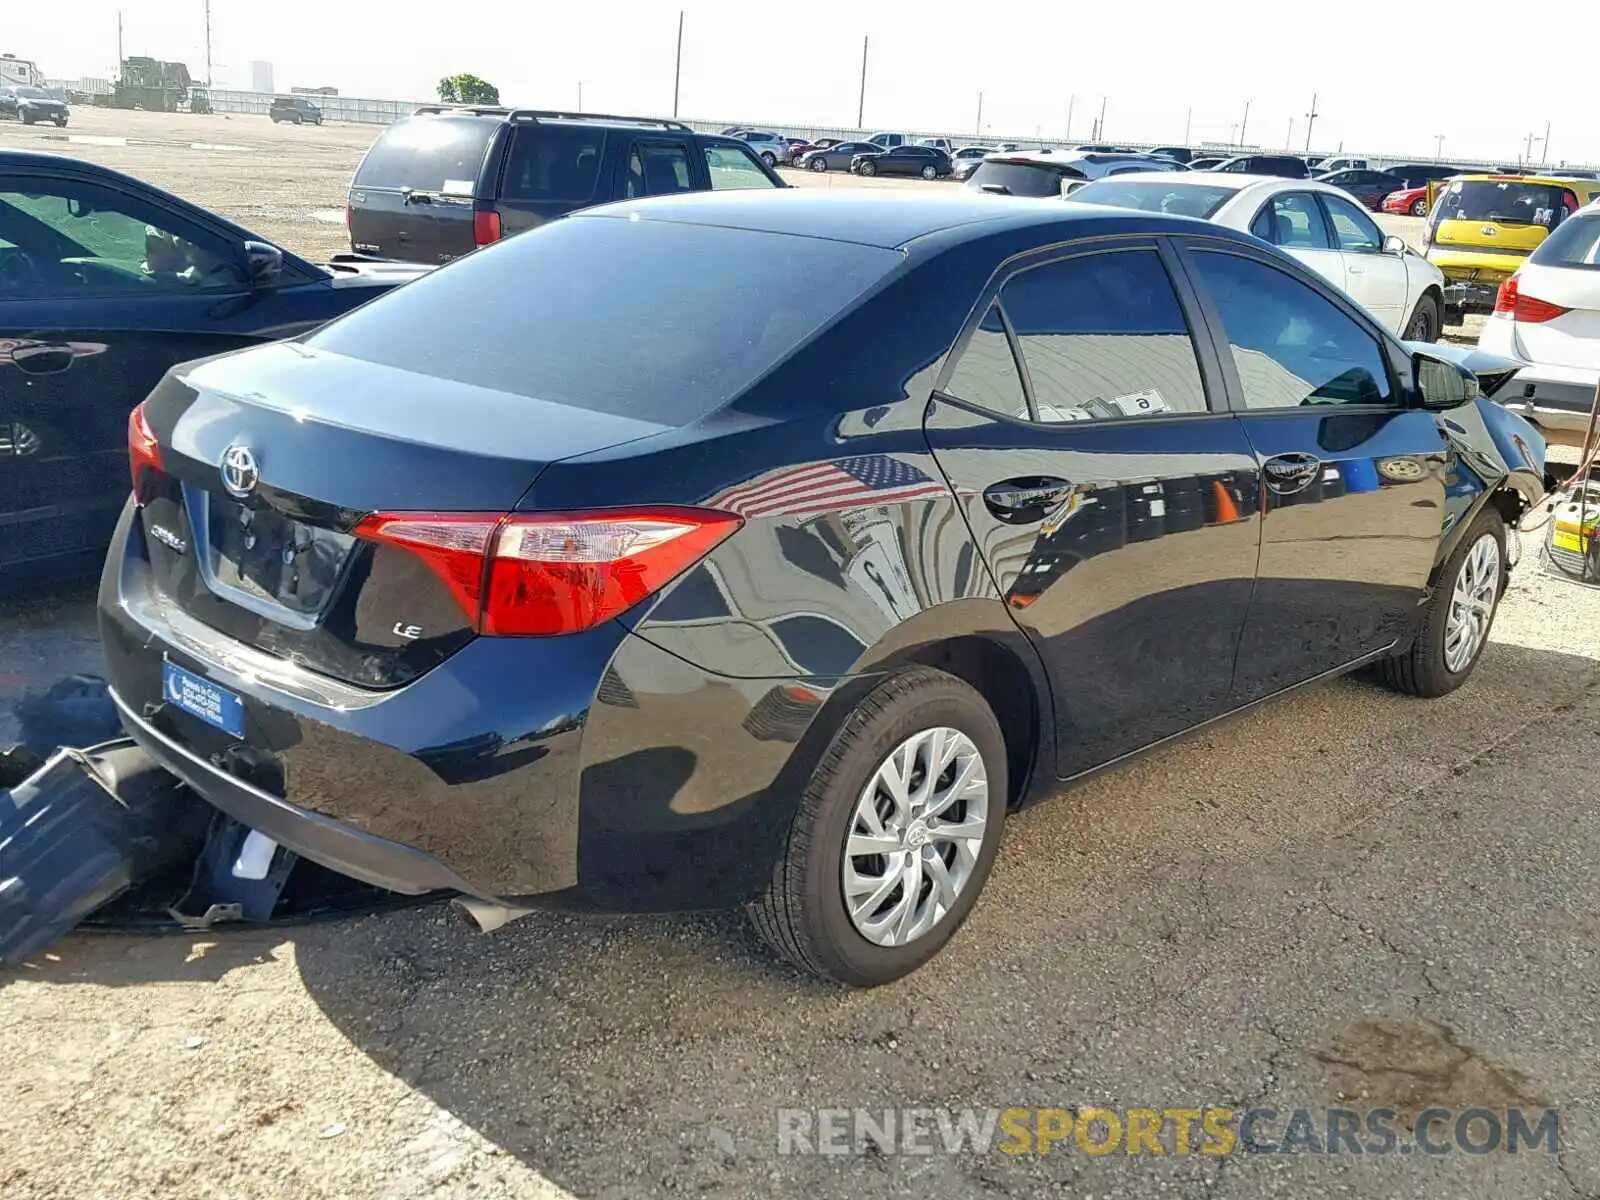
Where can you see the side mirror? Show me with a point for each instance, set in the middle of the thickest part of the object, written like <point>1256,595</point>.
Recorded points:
<point>263,263</point>
<point>1442,384</point>
<point>1395,244</point>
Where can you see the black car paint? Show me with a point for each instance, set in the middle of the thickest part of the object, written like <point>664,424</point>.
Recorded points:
<point>422,225</point>
<point>73,367</point>
<point>1369,187</point>
<point>904,160</point>
<point>656,761</point>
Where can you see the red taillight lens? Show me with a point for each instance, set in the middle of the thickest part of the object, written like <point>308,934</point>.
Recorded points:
<point>485,228</point>
<point>553,573</point>
<point>143,449</point>
<point>1512,301</point>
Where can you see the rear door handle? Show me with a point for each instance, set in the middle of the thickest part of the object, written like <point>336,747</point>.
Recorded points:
<point>1026,500</point>
<point>42,358</point>
<point>1287,474</point>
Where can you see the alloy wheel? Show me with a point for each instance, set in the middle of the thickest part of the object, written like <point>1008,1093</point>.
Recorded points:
<point>915,836</point>
<point>1472,604</point>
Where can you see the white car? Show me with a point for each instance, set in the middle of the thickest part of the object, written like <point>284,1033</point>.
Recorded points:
<point>1547,317</point>
<point>1323,227</point>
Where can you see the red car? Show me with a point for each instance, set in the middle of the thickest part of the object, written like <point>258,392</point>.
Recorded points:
<point>799,147</point>
<point>1413,201</point>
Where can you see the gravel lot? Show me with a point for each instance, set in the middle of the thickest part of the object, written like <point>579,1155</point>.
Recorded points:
<point>1346,898</point>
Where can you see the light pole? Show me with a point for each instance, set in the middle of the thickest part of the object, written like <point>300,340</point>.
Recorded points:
<point>580,95</point>
<point>979,126</point>
<point>1311,119</point>
<point>677,70</point>
<point>1071,100</point>
<point>208,44</point>
<point>1244,124</point>
<point>861,106</point>
<point>1438,147</point>
<point>1288,138</point>
<point>1100,127</point>
<point>1188,120</point>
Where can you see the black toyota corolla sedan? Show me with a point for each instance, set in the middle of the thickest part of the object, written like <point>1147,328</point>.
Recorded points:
<point>769,550</point>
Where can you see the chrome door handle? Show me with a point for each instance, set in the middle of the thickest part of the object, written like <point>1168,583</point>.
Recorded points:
<point>1287,474</point>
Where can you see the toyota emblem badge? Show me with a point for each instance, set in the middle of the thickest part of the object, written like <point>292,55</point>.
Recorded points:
<point>239,471</point>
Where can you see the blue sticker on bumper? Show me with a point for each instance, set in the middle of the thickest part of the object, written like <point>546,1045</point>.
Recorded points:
<point>201,698</point>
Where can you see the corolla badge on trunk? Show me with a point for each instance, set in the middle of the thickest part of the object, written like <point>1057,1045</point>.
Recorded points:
<point>239,471</point>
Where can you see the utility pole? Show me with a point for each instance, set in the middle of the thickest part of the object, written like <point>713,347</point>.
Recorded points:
<point>1544,152</point>
<point>1244,124</point>
<point>861,106</point>
<point>1188,120</point>
<point>1311,119</point>
<point>119,43</point>
<point>208,44</point>
<point>1100,127</point>
<point>1438,147</point>
<point>1071,100</point>
<point>1288,138</point>
<point>580,95</point>
<point>677,71</point>
<point>978,128</point>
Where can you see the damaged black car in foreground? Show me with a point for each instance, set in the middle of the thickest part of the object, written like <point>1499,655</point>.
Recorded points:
<point>730,550</point>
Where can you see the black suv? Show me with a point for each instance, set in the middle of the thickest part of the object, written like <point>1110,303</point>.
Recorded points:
<point>447,180</point>
<point>296,110</point>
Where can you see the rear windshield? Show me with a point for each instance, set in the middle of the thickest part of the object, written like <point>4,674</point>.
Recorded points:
<point>1506,202</point>
<point>428,154</point>
<point>661,321</point>
<point>1180,199</point>
<point>554,162</point>
<point>1021,179</point>
<point>1575,244</point>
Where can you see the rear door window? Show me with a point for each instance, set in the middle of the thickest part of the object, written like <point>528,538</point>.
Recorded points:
<point>1292,220</point>
<point>1506,202</point>
<point>554,162</point>
<point>1355,230</point>
<point>428,154</point>
<point>658,169</point>
<point>986,373</point>
<point>1103,337</point>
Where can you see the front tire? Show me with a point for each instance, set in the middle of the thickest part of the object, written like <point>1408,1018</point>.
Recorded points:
<point>869,169</point>
<point>819,164</point>
<point>1424,324</point>
<point>61,122</point>
<point>894,835</point>
<point>768,157</point>
<point>1419,208</point>
<point>1456,622</point>
<point>930,172</point>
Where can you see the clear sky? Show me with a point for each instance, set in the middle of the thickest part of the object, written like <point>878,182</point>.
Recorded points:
<point>1389,80</point>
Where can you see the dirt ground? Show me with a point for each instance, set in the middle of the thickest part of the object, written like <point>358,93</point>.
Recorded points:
<point>1347,898</point>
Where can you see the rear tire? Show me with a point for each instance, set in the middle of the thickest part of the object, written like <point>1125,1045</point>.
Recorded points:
<point>768,157</point>
<point>1424,324</point>
<point>868,168</point>
<point>1473,576</point>
<point>819,164</point>
<point>915,716</point>
<point>930,172</point>
<point>1419,208</point>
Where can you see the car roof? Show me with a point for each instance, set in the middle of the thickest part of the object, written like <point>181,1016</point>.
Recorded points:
<point>884,220</point>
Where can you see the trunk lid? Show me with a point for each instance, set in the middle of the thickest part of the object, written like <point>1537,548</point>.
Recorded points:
<point>269,459</point>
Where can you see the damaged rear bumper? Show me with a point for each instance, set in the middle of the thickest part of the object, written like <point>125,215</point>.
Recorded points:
<point>364,856</point>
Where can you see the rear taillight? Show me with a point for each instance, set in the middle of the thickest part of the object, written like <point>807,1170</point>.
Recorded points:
<point>144,452</point>
<point>1511,301</point>
<point>485,228</point>
<point>554,573</point>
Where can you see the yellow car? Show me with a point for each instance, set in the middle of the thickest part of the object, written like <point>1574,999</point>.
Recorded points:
<point>1481,228</point>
